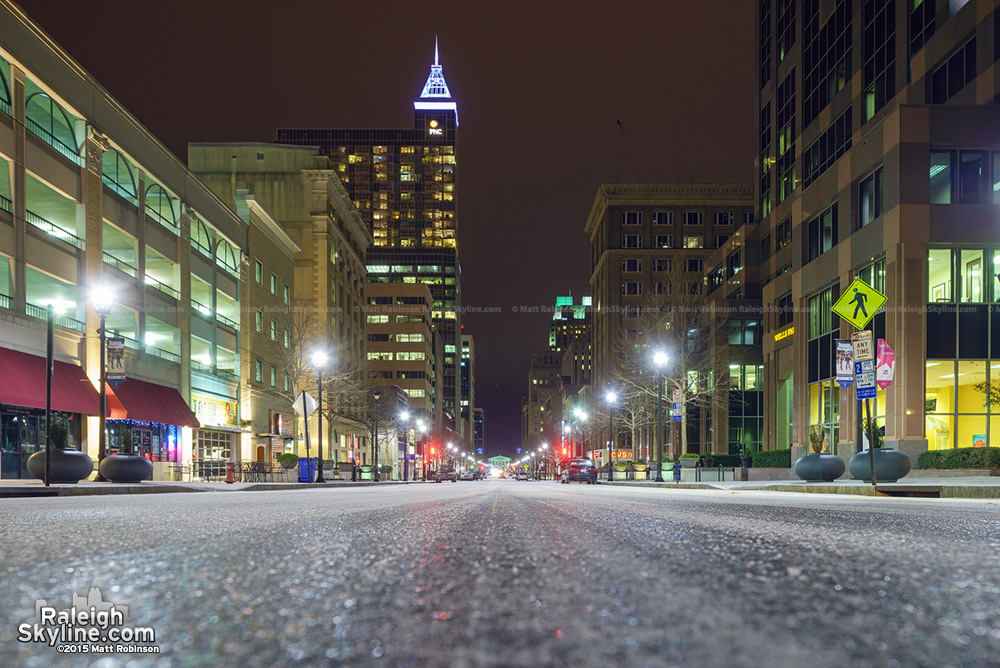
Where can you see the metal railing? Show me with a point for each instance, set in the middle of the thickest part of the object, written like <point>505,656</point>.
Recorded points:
<point>53,230</point>
<point>227,375</point>
<point>5,107</point>
<point>162,220</point>
<point>4,301</point>
<point>119,191</point>
<point>120,265</point>
<point>162,287</point>
<point>58,319</point>
<point>201,309</point>
<point>6,204</point>
<point>162,354</point>
<point>50,139</point>
<point>226,321</point>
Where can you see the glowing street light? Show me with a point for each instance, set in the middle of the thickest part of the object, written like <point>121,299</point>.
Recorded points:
<point>319,360</point>
<point>660,362</point>
<point>611,397</point>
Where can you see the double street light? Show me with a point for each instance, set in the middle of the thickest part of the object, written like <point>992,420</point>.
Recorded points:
<point>319,360</point>
<point>103,298</point>
<point>611,398</point>
<point>660,363</point>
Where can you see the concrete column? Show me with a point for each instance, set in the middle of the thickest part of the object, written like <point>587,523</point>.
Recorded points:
<point>18,294</point>
<point>93,198</point>
<point>184,314</point>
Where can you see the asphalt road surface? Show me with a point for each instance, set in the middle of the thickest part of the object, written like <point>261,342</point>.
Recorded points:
<point>504,573</point>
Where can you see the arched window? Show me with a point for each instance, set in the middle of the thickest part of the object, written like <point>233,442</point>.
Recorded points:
<point>160,205</point>
<point>226,257</point>
<point>50,122</point>
<point>118,175</point>
<point>201,238</point>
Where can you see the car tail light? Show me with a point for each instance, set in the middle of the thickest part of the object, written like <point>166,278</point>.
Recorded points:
<point>573,468</point>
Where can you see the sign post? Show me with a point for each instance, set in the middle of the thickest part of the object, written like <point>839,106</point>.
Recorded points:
<point>858,305</point>
<point>305,405</point>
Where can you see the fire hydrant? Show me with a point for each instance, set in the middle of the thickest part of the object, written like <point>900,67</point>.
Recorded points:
<point>230,472</point>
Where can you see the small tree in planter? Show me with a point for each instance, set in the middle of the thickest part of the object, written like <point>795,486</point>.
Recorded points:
<point>688,460</point>
<point>818,465</point>
<point>288,460</point>
<point>65,465</point>
<point>125,466</point>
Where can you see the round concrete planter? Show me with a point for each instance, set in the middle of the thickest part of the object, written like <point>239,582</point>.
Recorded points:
<point>126,468</point>
<point>66,467</point>
<point>819,467</point>
<point>689,462</point>
<point>890,465</point>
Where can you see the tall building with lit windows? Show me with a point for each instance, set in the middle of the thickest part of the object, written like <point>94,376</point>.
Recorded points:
<point>878,157</point>
<point>403,183</point>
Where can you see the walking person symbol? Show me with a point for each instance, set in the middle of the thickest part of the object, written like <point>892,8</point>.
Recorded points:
<point>859,299</point>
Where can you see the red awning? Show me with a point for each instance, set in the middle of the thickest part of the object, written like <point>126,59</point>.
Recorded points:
<point>139,400</point>
<point>22,383</point>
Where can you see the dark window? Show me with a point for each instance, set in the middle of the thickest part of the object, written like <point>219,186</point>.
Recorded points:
<point>734,264</point>
<point>766,160</point>
<point>693,264</point>
<point>631,217</point>
<point>765,42</point>
<point>973,177</point>
<point>663,218</point>
<point>921,23</point>
<point>692,218</point>
<point>786,310</point>
<point>941,320</point>
<point>721,239</point>
<point>879,51</point>
<point>942,176</point>
<point>724,218</point>
<point>826,150</point>
<point>663,240</point>
<point>765,247</point>
<point>786,136</point>
<point>785,28</point>
<point>826,57</point>
<point>716,278</point>
<point>783,234</point>
<point>955,74</point>
<point>822,233</point>
<point>631,241</point>
<point>663,264</point>
<point>870,198</point>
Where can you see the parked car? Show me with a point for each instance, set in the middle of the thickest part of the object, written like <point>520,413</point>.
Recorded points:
<point>445,473</point>
<point>481,475</point>
<point>521,475</point>
<point>578,470</point>
<point>467,475</point>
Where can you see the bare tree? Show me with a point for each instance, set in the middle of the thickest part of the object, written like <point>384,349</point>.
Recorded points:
<point>676,321</point>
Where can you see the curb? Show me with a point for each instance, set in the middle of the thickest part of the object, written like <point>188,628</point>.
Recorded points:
<point>888,490</point>
<point>111,490</point>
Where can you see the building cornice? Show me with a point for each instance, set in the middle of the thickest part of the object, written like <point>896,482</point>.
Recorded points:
<point>672,193</point>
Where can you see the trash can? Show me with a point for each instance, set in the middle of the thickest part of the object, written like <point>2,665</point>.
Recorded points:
<point>307,469</point>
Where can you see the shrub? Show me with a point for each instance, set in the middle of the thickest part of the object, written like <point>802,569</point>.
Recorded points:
<point>725,460</point>
<point>690,455</point>
<point>288,458</point>
<point>773,458</point>
<point>960,458</point>
<point>59,430</point>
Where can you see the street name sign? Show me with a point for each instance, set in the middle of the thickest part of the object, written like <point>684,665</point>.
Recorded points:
<point>859,303</point>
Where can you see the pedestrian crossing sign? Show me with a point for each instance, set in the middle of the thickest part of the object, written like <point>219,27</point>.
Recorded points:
<point>859,303</point>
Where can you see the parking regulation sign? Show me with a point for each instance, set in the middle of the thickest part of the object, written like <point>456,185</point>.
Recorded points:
<point>864,379</point>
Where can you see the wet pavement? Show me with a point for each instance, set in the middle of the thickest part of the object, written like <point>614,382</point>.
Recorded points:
<point>504,573</point>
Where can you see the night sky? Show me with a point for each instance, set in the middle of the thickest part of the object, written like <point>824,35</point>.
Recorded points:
<point>539,86</point>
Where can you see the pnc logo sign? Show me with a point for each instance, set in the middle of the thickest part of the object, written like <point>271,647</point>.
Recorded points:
<point>434,128</point>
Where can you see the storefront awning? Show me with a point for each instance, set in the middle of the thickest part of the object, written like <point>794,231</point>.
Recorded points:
<point>139,400</point>
<point>22,383</point>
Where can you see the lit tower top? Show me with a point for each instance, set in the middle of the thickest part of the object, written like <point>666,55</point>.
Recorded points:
<point>435,95</point>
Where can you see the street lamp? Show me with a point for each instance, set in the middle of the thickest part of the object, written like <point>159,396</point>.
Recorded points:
<point>319,360</point>
<point>659,361</point>
<point>405,417</point>
<point>378,395</point>
<point>611,398</point>
<point>422,428</point>
<point>581,415</point>
<point>103,298</point>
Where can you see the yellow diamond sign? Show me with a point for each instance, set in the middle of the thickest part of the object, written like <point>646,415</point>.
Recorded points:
<point>859,303</point>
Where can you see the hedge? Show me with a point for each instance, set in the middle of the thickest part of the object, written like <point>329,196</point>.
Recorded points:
<point>773,459</point>
<point>960,458</point>
<point>726,460</point>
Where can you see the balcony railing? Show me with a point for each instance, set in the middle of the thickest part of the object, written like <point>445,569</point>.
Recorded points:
<point>121,192</point>
<point>163,354</point>
<point>121,266</point>
<point>162,220</point>
<point>226,321</point>
<point>162,287</point>
<point>218,373</point>
<point>50,139</point>
<point>35,220</point>
<point>58,319</point>
<point>4,301</point>
<point>6,204</point>
<point>5,107</point>
<point>226,375</point>
<point>201,309</point>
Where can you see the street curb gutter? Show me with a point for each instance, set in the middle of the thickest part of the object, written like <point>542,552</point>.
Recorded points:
<point>888,490</point>
<point>108,490</point>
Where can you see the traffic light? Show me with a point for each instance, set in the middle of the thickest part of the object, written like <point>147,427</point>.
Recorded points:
<point>565,452</point>
<point>433,451</point>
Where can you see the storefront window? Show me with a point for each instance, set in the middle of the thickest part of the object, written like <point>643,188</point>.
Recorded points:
<point>959,412</point>
<point>824,410</point>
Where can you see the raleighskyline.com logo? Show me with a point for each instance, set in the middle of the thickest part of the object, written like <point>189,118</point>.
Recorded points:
<point>90,625</point>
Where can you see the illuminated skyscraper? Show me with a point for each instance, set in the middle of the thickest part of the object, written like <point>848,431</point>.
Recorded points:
<point>403,184</point>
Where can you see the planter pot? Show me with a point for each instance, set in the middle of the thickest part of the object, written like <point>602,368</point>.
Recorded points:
<point>890,465</point>
<point>708,462</point>
<point>126,468</point>
<point>819,467</point>
<point>689,462</point>
<point>640,468</point>
<point>289,465</point>
<point>327,465</point>
<point>65,466</point>
<point>746,462</point>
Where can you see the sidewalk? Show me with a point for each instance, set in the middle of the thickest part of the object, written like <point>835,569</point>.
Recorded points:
<point>36,488</point>
<point>969,487</point>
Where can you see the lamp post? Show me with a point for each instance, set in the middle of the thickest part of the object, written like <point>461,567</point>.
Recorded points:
<point>659,361</point>
<point>610,397</point>
<point>319,360</point>
<point>405,417</point>
<point>581,415</point>
<point>422,428</point>
<point>103,298</point>
<point>378,395</point>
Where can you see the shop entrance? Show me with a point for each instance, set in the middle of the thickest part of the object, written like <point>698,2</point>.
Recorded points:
<point>21,434</point>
